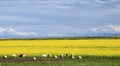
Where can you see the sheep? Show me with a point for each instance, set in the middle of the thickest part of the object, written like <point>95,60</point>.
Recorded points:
<point>55,57</point>
<point>79,57</point>
<point>44,55</point>
<point>34,58</point>
<point>67,55</point>
<point>14,55</point>
<point>49,55</point>
<point>5,57</point>
<point>22,55</point>
<point>73,57</point>
<point>62,56</point>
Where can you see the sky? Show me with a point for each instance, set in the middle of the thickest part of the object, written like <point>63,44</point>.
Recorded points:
<point>59,18</point>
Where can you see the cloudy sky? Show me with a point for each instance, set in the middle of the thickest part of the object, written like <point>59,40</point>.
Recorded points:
<point>58,18</point>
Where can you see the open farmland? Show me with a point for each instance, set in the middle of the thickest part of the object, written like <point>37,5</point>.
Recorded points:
<point>77,47</point>
<point>105,52</point>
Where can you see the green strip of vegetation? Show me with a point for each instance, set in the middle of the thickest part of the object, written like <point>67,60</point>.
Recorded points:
<point>62,38</point>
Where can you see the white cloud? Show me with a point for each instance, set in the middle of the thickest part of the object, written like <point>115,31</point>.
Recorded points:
<point>55,34</point>
<point>107,29</point>
<point>11,31</point>
<point>2,30</point>
<point>115,28</point>
<point>26,34</point>
<point>94,29</point>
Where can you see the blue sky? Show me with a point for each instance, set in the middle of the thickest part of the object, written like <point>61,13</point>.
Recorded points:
<point>58,18</point>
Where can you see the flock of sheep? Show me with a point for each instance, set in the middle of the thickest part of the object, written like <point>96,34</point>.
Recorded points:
<point>47,56</point>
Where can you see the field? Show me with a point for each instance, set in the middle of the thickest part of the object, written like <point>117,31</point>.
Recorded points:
<point>55,47</point>
<point>104,52</point>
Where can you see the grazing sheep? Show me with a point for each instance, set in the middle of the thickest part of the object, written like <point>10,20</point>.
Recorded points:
<point>55,57</point>
<point>49,55</point>
<point>62,56</point>
<point>5,57</point>
<point>79,57</point>
<point>14,55</point>
<point>67,55</point>
<point>44,55</point>
<point>22,55</point>
<point>73,57</point>
<point>34,58</point>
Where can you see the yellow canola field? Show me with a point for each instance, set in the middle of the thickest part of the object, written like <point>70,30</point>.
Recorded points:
<point>105,47</point>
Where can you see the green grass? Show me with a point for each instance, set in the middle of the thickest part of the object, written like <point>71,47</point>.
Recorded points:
<point>86,61</point>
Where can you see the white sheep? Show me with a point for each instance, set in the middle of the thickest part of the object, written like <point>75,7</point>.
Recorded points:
<point>14,55</point>
<point>62,55</point>
<point>22,55</point>
<point>56,57</point>
<point>73,57</point>
<point>34,58</point>
<point>5,57</point>
<point>79,57</point>
<point>44,55</point>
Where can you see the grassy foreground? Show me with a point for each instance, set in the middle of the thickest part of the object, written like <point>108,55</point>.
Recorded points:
<point>87,61</point>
